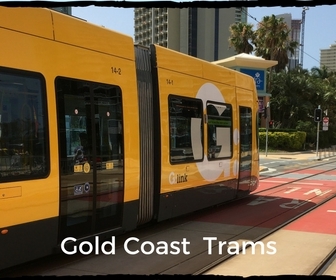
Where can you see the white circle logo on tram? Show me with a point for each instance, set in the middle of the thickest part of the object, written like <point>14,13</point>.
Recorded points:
<point>212,170</point>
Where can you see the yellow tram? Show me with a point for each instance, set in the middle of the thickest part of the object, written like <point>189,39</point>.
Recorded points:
<point>99,136</point>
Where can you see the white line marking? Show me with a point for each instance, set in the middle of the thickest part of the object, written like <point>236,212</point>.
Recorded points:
<point>292,190</point>
<point>315,184</point>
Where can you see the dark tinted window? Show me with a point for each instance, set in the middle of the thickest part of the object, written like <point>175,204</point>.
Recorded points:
<point>23,131</point>
<point>186,129</point>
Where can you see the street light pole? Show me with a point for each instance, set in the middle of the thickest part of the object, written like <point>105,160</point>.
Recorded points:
<point>267,122</point>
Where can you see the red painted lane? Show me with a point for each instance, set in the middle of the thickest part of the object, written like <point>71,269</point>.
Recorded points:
<point>306,194</point>
<point>315,184</point>
<point>332,172</point>
<point>315,171</point>
<point>269,183</point>
<point>307,171</point>
<point>271,208</point>
<point>272,182</point>
<point>320,220</point>
<point>265,185</point>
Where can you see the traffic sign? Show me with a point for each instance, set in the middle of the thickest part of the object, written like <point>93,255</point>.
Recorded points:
<point>325,123</point>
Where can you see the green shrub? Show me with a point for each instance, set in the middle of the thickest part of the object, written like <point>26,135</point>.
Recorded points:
<point>277,140</point>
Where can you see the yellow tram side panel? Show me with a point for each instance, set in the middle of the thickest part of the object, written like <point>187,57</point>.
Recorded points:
<point>120,50</point>
<point>32,21</point>
<point>172,67</point>
<point>219,74</point>
<point>247,96</point>
<point>27,201</point>
<point>50,24</point>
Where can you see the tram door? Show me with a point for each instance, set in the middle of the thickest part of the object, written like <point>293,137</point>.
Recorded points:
<point>91,157</point>
<point>245,166</point>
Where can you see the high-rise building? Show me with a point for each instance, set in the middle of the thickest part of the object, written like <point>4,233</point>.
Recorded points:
<point>295,31</point>
<point>293,59</point>
<point>328,58</point>
<point>200,32</point>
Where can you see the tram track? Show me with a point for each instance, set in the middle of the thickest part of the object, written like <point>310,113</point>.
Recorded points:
<point>317,271</point>
<point>265,176</point>
<point>323,266</point>
<point>294,180</point>
<point>193,261</point>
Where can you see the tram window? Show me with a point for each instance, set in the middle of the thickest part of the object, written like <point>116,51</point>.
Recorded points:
<point>219,120</point>
<point>23,131</point>
<point>186,129</point>
<point>246,130</point>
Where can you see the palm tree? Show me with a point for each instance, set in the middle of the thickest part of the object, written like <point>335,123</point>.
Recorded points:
<point>321,73</point>
<point>327,80</point>
<point>273,42</point>
<point>241,37</point>
<point>291,97</point>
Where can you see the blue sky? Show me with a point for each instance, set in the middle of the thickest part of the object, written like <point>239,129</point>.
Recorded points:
<point>319,24</point>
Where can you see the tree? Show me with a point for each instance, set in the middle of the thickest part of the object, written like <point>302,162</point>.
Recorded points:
<point>295,96</point>
<point>321,73</point>
<point>328,83</point>
<point>272,41</point>
<point>291,97</point>
<point>241,37</point>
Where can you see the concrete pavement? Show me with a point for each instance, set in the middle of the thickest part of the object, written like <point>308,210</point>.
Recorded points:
<point>304,155</point>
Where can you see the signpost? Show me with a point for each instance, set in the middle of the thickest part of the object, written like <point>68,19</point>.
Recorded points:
<point>317,118</point>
